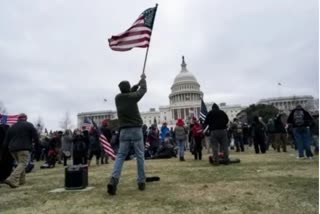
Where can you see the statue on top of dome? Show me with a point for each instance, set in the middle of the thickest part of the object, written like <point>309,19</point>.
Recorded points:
<point>183,65</point>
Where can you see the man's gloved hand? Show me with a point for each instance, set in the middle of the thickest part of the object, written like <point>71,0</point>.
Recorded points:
<point>143,76</point>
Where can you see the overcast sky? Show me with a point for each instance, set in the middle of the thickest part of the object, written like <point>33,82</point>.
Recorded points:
<point>54,55</point>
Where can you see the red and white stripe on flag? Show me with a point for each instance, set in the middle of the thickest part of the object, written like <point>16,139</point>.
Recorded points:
<point>8,119</point>
<point>138,35</point>
<point>106,146</point>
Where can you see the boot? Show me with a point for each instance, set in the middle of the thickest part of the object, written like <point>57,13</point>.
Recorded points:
<point>112,186</point>
<point>22,180</point>
<point>182,159</point>
<point>142,186</point>
<point>10,183</point>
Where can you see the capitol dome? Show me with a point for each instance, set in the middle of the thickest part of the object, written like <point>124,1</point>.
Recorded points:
<point>184,75</point>
<point>185,88</point>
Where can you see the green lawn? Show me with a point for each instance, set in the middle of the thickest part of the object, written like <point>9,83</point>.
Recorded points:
<point>269,183</point>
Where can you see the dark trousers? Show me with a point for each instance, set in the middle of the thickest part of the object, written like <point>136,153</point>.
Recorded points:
<point>104,157</point>
<point>198,148</point>
<point>78,160</point>
<point>95,153</point>
<point>219,138</point>
<point>65,160</point>
<point>239,143</point>
<point>281,141</point>
<point>259,145</point>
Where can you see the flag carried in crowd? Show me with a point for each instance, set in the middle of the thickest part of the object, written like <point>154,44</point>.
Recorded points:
<point>104,142</point>
<point>138,35</point>
<point>203,111</point>
<point>8,119</point>
<point>87,124</point>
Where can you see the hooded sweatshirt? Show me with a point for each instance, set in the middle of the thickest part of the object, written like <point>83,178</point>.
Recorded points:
<point>180,131</point>
<point>127,106</point>
<point>216,119</point>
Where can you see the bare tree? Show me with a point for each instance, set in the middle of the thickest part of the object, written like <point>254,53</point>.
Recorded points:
<point>66,122</point>
<point>3,109</point>
<point>39,125</point>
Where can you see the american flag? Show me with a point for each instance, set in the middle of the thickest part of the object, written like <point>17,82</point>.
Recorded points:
<point>138,35</point>
<point>203,111</point>
<point>105,143</point>
<point>87,123</point>
<point>106,146</point>
<point>8,119</point>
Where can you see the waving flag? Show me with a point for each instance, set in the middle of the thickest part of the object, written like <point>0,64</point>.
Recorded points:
<point>104,142</point>
<point>138,35</point>
<point>8,119</point>
<point>203,111</point>
<point>87,123</point>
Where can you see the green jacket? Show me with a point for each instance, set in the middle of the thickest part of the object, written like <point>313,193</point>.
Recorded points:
<point>127,107</point>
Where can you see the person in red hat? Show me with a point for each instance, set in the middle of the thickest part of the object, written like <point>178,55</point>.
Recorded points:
<point>181,137</point>
<point>197,133</point>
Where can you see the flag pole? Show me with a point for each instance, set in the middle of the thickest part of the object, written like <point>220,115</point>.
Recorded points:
<point>147,51</point>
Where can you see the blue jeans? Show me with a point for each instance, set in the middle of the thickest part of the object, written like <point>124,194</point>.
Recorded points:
<point>181,145</point>
<point>302,137</point>
<point>128,137</point>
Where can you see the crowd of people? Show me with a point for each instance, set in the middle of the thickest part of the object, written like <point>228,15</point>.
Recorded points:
<point>21,144</point>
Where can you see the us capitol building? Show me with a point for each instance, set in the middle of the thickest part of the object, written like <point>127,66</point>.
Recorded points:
<point>184,102</point>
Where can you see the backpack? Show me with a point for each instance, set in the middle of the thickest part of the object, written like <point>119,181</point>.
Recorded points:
<point>298,117</point>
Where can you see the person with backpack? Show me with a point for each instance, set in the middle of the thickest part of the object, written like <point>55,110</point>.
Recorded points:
<point>301,121</point>
<point>197,133</point>
<point>258,135</point>
<point>181,137</point>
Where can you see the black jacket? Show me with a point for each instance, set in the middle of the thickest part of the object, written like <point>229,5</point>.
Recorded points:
<point>106,132</point>
<point>279,127</point>
<point>307,119</point>
<point>20,136</point>
<point>216,119</point>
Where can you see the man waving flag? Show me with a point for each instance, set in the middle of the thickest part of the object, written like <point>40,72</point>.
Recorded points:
<point>138,35</point>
